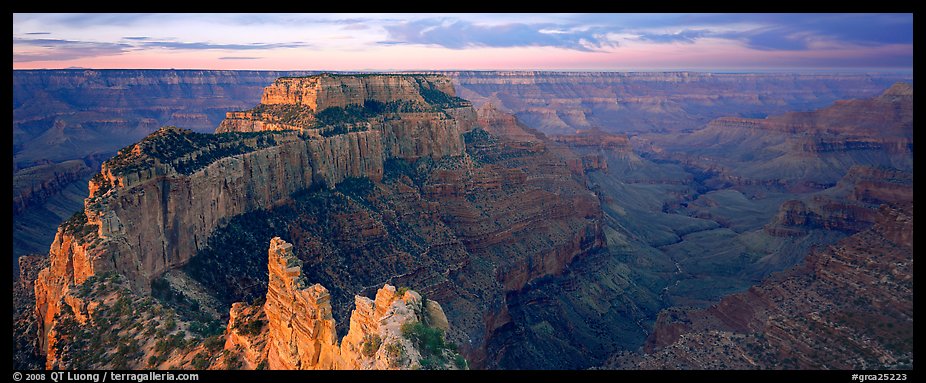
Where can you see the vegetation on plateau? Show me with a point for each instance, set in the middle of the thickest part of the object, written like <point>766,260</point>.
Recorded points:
<point>187,151</point>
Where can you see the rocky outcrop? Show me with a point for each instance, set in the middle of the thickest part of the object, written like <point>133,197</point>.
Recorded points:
<point>153,206</point>
<point>415,115</point>
<point>330,90</point>
<point>518,207</point>
<point>467,231</point>
<point>849,206</point>
<point>301,328</point>
<point>144,222</point>
<point>595,146</point>
<point>797,218</point>
<point>504,124</point>
<point>300,332</point>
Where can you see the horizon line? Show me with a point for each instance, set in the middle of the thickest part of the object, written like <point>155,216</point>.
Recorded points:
<point>906,71</point>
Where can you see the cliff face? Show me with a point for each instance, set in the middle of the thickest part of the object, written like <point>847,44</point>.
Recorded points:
<point>300,331</point>
<point>144,221</point>
<point>325,91</point>
<point>466,230</point>
<point>802,151</point>
<point>35,185</point>
<point>595,146</point>
<point>155,204</point>
<point>62,115</point>
<point>848,306</point>
<point>416,115</point>
<point>563,102</point>
<point>849,206</point>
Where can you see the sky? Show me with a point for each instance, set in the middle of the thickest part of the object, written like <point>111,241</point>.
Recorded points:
<point>383,42</point>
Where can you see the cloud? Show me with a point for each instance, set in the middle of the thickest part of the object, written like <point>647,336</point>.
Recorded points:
<point>685,36</point>
<point>62,49</point>
<point>83,20</point>
<point>38,33</point>
<point>800,31</point>
<point>239,58</point>
<point>59,49</point>
<point>355,27</point>
<point>460,34</point>
<point>204,45</point>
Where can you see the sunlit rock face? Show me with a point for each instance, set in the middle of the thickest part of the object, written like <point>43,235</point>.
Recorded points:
<point>300,330</point>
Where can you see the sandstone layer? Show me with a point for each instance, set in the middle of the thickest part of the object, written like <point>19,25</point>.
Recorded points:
<point>297,330</point>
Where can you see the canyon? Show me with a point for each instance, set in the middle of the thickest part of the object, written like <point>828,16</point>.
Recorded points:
<point>64,115</point>
<point>521,243</point>
<point>454,211</point>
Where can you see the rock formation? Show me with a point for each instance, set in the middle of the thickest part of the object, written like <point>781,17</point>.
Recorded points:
<point>300,330</point>
<point>154,204</point>
<point>392,179</point>
<point>415,115</point>
<point>849,206</point>
<point>302,333</point>
<point>803,151</point>
<point>619,102</point>
<point>62,115</point>
<point>595,145</point>
<point>516,205</point>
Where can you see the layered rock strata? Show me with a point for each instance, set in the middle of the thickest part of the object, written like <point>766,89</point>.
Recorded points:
<point>416,115</point>
<point>563,102</point>
<point>849,206</point>
<point>848,306</point>
<point>154,204</point>
<point>801,151</point>
<point>467,223</point>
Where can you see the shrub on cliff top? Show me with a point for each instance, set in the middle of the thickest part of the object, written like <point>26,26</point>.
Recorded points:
<point>77,225</point>
<point>251,328</point>
<point>428,340</point>
<point>370,345</point>
<point>395,353</point>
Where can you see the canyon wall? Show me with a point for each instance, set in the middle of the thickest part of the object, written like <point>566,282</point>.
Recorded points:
<point>331,90</point>
<point>419,115</point>
<point>848,306</point>
<point>153,206</point>
<point>61,115</point>
<point>67,114</point>
<point>800,151</point>
<point>639,102</point>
